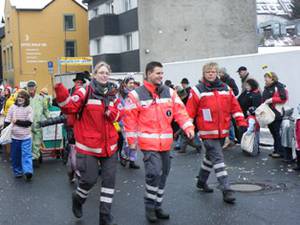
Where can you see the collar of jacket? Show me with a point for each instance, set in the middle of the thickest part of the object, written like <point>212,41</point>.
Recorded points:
<point>245,78</point>
<point>215,85</point>
<point>151,88</point>
<point>255,90</point>
<point>225,78</point>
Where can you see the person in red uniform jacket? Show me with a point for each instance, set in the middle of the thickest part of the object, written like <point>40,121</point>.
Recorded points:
<point>213,103</point>
<point>95,137</point>
<point>149,112</point>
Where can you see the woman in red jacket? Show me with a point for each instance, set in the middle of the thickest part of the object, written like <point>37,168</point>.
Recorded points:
<point>213,103</point>
<point>276,96</point>
<point>96,108</point>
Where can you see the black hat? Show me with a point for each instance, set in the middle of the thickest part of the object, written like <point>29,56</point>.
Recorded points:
<point>168,82</point>
<point>80,76</point>
<point>185,81</point>
<point>242,68</point>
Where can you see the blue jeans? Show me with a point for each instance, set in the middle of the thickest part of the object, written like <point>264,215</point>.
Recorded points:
<point>21,155</point>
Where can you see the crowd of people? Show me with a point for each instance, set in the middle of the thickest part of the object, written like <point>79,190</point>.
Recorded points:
<point>23,109</point>
<point>108,122</point>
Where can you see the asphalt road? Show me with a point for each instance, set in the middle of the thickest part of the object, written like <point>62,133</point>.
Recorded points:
<point>47,199</point>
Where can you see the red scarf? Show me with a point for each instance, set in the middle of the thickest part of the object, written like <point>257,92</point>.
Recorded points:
<point>151,88</point>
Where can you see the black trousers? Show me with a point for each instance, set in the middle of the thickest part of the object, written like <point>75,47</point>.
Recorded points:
<point>274,128</point>
<point>88,167</point>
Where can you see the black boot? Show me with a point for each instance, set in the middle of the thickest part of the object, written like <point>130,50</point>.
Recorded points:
<point>228,196</point>
<point>132,165</point>
<point>151,215</point>
<point>76,205</point>
<point>105,219</point>
<point>161,214</point>
<point>204,187</point>
<point>28,176</point>
<point>297,168</point>
<point>183,148</point>
<point>36,163</point>
<point>123,162</point>
<point>198,149</point>
<point>72,177</point>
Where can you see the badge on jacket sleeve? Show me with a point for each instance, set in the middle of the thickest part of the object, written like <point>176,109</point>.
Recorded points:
<point>120,106</point>
<point>169,113</point>
<point>75,98</point>
<point>129,104</point>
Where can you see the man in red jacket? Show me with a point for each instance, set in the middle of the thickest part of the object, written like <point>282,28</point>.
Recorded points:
<point>213,103</point>
<point>95,137</point>
<point>150,110</point>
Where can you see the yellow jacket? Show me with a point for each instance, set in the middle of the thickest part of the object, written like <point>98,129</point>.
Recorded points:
<point>8,103</point>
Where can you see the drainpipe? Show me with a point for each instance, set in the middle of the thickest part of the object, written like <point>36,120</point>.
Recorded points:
<point>19,42</point>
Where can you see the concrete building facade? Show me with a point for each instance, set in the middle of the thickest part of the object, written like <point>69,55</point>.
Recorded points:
<point>130,33</point>
<point>37,32</point>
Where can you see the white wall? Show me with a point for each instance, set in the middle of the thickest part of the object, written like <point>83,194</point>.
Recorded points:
<point>111,44</point>
<point>135,40</point>
<point>285,64</point>
<point>114,44</point>
<point>179,30</point>
<point>118,5</point>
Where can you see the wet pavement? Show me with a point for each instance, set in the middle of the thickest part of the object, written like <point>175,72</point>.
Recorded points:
<point>47,199</point>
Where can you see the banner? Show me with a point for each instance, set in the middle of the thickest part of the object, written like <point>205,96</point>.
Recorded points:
<point>77,61</point>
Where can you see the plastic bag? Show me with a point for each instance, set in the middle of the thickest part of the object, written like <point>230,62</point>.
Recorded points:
<point>247,142</point>
<point>2,121</point>
<point>264,115</point>
<point>5,137</point>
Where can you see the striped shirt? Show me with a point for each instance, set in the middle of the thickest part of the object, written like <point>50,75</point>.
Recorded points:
<point>23,114</point>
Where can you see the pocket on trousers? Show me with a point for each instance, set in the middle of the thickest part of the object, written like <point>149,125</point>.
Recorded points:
<point>81,162</point>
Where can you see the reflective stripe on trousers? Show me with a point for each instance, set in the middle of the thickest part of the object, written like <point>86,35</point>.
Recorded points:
<point>214,159</point>
<point>88,167</point>
<point>157,167</point>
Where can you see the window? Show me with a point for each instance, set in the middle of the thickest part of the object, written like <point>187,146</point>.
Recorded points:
<point>4,61</point>
<point>128,39</point>
<point>128,5</point>
<point>98,46</point>
<point>95,10</point>
<point>8,59</point>
<point>7,24</point>
<point>11,58</point>
<point>70,48</point>
<point>69,22</point>
<point>109,7</point>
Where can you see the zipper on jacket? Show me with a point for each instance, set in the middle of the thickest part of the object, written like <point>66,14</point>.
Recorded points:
<point>106,133</point>
<point>155,105</point>
<point>218,105</point>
